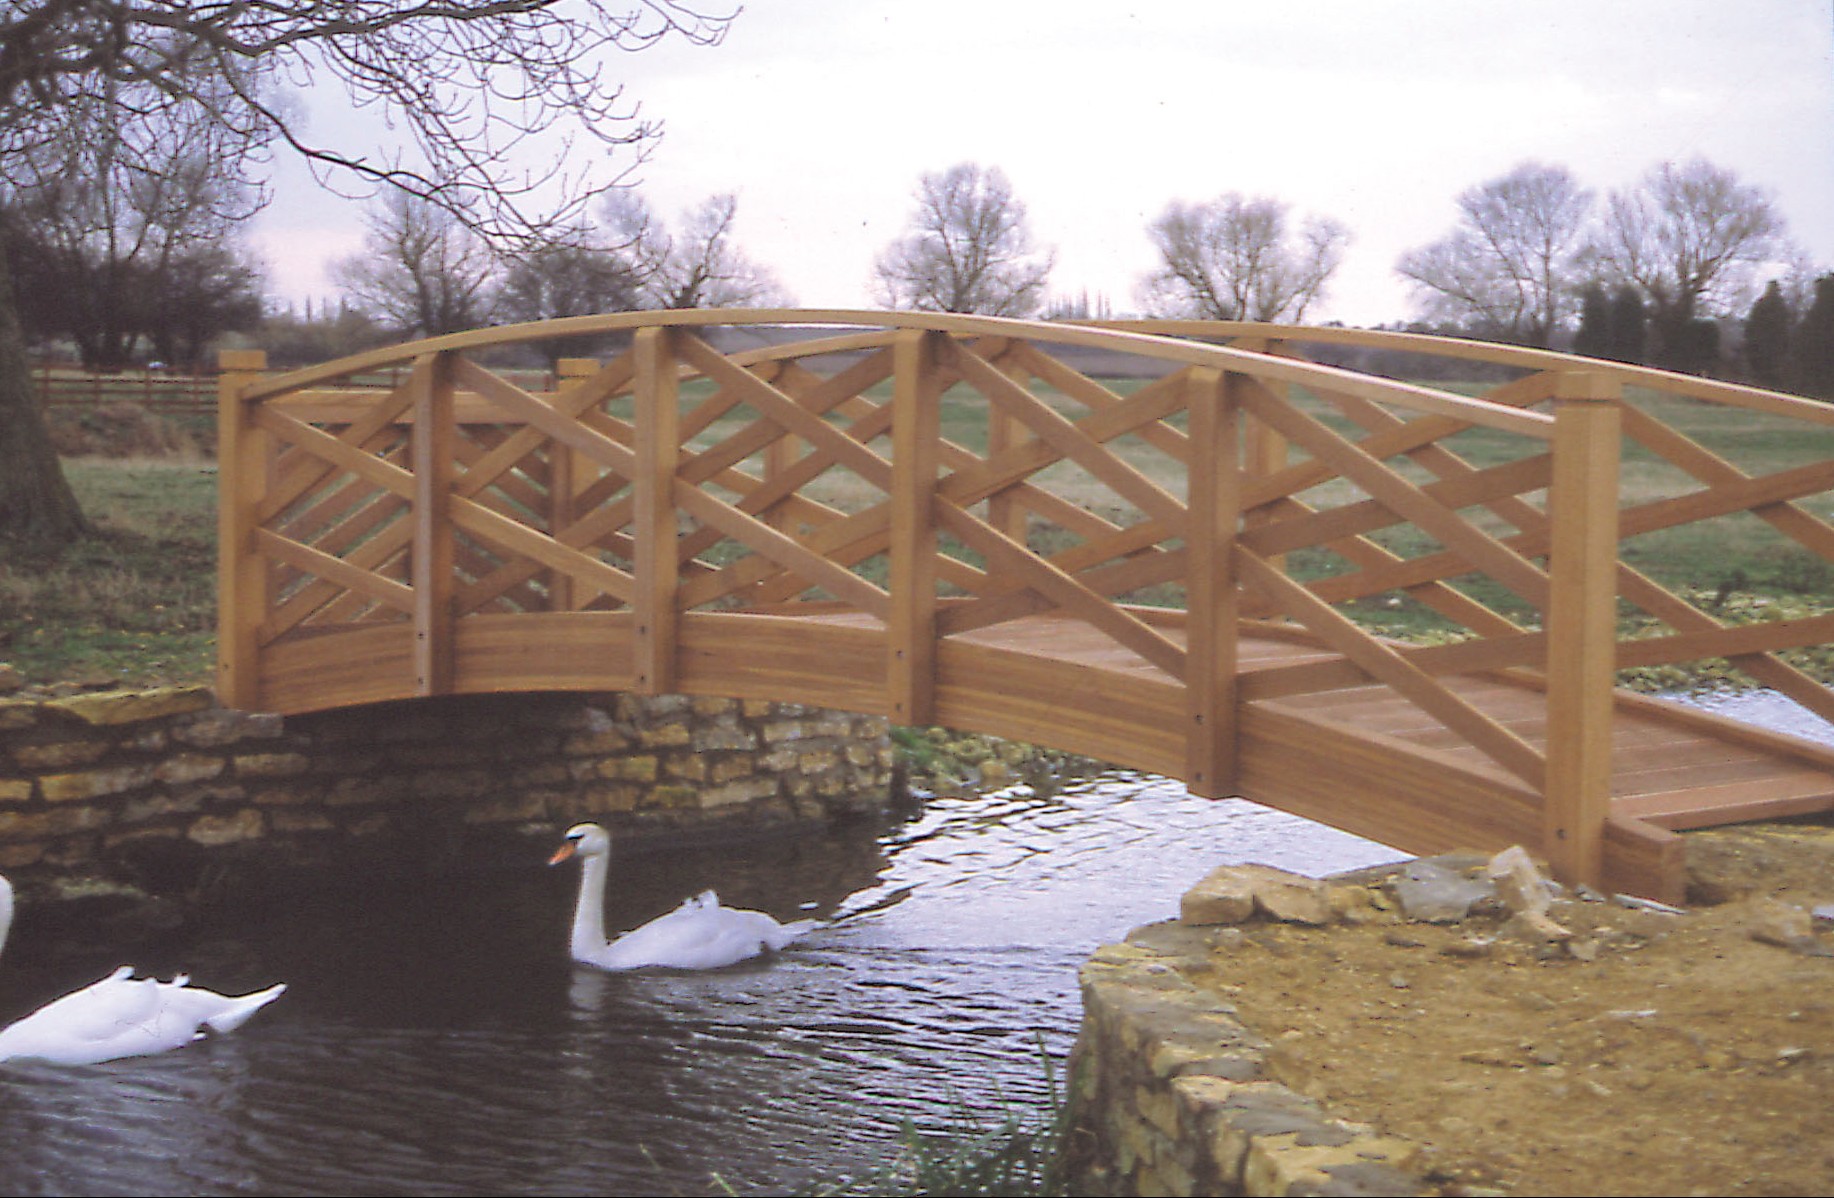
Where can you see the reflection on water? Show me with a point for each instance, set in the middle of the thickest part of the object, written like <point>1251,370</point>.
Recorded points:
<point>1765,708</point>
<point>436,1040</point>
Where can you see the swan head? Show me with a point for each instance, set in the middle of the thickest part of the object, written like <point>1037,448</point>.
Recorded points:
<point>584,840</point>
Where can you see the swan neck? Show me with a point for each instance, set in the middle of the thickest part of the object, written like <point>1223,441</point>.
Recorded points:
<point>6,911</point>
<point>589,912</point>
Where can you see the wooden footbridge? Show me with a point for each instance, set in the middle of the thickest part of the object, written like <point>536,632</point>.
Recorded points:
<point>1160,545</point>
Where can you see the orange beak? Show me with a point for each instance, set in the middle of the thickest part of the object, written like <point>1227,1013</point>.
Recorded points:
<point>561,854</point>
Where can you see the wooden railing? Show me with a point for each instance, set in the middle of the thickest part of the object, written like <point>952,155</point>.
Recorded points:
<point>935,477</point>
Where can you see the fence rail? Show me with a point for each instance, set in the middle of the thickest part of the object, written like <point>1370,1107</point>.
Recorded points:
<point>160,392</point>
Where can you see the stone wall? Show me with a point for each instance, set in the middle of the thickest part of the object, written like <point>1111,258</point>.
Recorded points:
<point>130,785</point>
<point>1170,1092</point>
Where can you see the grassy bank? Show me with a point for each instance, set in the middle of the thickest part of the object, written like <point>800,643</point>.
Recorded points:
<point>137,602</point>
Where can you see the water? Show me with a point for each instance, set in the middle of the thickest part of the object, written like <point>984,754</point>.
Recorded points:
<point>1765,708</point>
<point>435,1040</point>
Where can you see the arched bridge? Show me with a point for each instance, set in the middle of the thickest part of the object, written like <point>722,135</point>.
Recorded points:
<point>1162,545</point>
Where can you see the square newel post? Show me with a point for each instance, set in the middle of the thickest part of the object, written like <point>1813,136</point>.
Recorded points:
<point>1213,513</point>
<point>1581,623</point>
<point>658,564</point>
<point>431,573</point>
<point>242,573</point>
<point>910,676</point>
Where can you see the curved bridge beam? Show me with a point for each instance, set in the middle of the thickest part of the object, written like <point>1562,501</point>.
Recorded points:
<point>1144,543</point>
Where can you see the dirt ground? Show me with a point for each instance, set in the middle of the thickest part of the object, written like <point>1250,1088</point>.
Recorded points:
<point>1651,1054</point>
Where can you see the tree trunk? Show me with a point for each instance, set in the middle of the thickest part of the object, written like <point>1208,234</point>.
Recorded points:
<point>37,506</point>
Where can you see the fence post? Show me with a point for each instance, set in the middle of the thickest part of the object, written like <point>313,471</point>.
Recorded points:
<point>431,570</point>
<point>242,573</point>
<point>658,566</point>
<point>1214,509</point>
<point>1581,623</point>
<point>916,452</point>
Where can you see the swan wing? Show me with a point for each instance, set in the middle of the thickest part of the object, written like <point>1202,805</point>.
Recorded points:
<point>699,934</point>
<point>121,1016</point>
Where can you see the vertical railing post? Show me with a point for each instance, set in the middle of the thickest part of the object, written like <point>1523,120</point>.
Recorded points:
<point>1005,513</point>
<point>916,452</point>
<point>658,565</point>
<point>1214,508</point>
<point>1267,450</point>
<point>431,576</point>
<point>567,469</point>
<point>779,455</point>
<point>242,573</point>
<point>1581,622</point>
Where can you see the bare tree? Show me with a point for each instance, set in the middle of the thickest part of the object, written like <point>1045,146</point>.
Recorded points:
<point>568,277</point>
<point>421,270</point>
<point>1694,241</point>
<point>476,88</point>
<point>1508,270</point>
<point>114,193</point>
<point>969,249</point>
<point>698,264</point>
<point>1234,258</point>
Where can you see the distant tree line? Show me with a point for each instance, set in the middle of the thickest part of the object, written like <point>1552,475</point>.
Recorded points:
<point>1689,269</point>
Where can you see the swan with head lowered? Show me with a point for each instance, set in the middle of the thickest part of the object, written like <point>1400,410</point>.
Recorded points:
<point>699,934</point>
<point>121,1015</point>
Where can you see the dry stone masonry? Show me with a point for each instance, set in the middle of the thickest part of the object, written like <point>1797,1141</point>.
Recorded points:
<point>105,783</point>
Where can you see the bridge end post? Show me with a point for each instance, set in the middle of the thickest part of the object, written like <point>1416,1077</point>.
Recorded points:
<point>910,674</point>
<point>242,573</point>
<point>1581,623</point>
<point>1214,509</point>
<point>431,450</point>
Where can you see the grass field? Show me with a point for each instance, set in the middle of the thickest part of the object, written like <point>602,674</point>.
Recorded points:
<point>138,601</point>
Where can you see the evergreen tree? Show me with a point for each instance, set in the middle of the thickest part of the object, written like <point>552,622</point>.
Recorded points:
<point>1814,342</point>
<point>1593,338</point>
<point>1767,338</point>
<point>1629,327</point>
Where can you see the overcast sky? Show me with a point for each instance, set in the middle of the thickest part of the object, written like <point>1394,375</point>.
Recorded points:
<point>822,114</point>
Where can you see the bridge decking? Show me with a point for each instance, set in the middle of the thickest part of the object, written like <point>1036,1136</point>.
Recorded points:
<point>1673,766</point>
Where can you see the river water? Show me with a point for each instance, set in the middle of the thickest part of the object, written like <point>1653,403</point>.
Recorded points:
<point>436,1040</point>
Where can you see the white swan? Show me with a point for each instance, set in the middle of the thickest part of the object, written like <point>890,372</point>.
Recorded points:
<point>699,934</point>
<point>121,1016</point>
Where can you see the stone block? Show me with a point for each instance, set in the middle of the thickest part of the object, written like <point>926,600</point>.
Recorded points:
<point>107,708</point>
<point>726,769</point>
<point>595,743</point>
<point>666,736</point>
<point>188,767</point>
<point>271,765</point>
<point>60,754</point>
<point>719,738</point>
<point>17,713</point>
<point>15,790</point>
<point>742,790</point>
<point>687,767</point>
<point>93,784</point>
<point>225,726</point>
<point>214,831</point>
